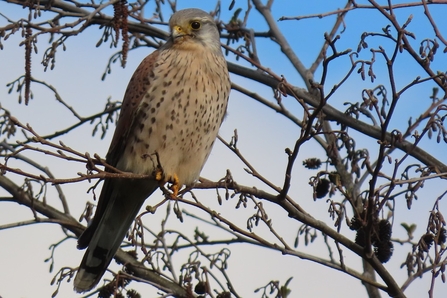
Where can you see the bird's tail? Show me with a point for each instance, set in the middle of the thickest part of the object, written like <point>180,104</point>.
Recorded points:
<point>116,218</point>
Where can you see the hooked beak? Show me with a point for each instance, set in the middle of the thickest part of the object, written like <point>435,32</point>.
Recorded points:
<point>179,32</point>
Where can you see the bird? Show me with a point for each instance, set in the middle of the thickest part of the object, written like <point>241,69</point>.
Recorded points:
<point>171,112</point>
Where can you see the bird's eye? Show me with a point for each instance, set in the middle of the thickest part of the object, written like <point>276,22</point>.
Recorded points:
<point>196,25</point>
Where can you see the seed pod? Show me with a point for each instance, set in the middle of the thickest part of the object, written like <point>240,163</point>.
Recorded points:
<point>384,251</point>
<point>312,163</point>
<point>200,288</point>
<point>322,188</point>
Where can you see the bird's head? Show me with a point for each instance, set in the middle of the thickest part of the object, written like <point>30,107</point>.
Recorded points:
<point>192,27</point>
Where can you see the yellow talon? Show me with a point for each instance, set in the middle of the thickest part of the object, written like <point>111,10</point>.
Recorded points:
<point>175,187</point>
<point>160,177</point>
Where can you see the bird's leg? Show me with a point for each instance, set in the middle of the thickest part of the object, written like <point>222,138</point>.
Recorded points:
<point>159,174</point>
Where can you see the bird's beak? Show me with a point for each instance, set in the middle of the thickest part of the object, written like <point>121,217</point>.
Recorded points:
<point>178,32</point>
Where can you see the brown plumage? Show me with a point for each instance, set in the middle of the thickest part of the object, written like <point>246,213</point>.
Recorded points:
<point>172,110</point>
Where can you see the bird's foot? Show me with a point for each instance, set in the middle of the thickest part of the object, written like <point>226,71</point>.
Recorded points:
<point>175,185</point>
<point>161,178</point>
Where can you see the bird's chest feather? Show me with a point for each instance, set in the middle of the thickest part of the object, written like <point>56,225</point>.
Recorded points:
<point>178,119</point>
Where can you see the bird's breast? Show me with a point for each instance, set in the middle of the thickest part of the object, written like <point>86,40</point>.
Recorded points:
<point>179,117</point>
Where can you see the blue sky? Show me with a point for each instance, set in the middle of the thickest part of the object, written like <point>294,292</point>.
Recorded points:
<point>263,136</point>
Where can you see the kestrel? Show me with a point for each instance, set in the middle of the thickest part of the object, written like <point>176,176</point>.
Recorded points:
<point>170,116</point>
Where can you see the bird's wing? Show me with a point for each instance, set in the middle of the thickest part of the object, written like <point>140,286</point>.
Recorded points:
<point>136,90</point>
<point>120,199</point>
